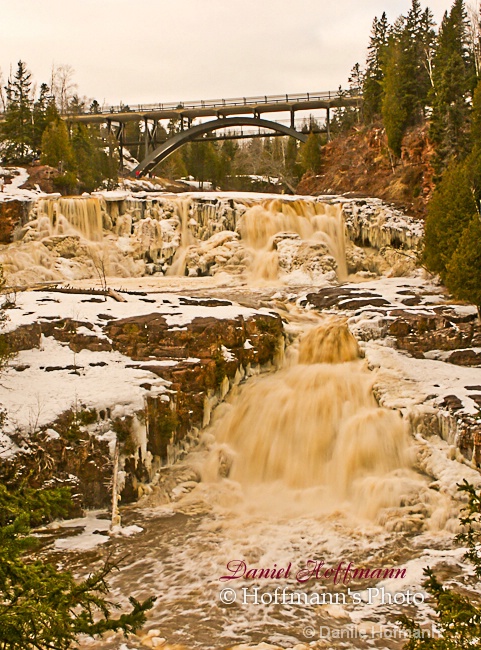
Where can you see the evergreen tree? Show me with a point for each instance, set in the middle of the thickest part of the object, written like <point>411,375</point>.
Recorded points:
<point>310,154</point>
<point>56,148</point>
<point>292,152</point>
<point>44,112</point>
<point>77,105</point>
<point>417,41</point>
<point>453,81</point>
<point>449,212</point>
<point>476,118</point>
<point>16,129</point>
<point>458,616</point>
<point>406,76</point>
<point>40,606</point>
<point>173,167</point>
<point>93,164</point>
<point>394,110</point>
<point>375,67</point>
<point>227,154</point>
<point>463,271</point>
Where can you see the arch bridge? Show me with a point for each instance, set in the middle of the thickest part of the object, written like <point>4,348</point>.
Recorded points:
<point>227,113</point>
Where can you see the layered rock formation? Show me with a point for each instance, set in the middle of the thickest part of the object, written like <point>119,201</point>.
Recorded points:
<point>183,371</point>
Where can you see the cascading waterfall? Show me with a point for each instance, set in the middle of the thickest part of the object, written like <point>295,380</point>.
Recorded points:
<point>314,431</point>
<point>267,228</point>
<point>286,241</point>
<point>71,214</point>
<point>186,239</point>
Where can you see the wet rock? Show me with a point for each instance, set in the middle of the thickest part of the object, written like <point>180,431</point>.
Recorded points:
<point>66,330</point>
<point>67,246</point>
<point>63,455</point>
<point>295,254</point>
<point>210,354</point>
<point>452,402</point>
<point>345,298</point>
<point>465,358</point>
<point>25,337</point>
<point>418,333</point>
<point>13,214</point>
<point>477,399</point>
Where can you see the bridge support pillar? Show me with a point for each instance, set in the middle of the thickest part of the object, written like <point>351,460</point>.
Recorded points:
<point>146,137</point>
<point>328,123</point>
<point>293,123</point>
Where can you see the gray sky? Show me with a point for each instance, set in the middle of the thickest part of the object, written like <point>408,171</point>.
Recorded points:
<point>140,51</point>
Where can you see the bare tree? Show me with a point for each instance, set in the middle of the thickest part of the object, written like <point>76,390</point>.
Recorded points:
<point>99,259</point>
<point>62,86</point>
<point>3,103</point>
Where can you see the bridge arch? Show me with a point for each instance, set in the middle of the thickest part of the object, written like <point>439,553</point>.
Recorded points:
<point>181,138</point>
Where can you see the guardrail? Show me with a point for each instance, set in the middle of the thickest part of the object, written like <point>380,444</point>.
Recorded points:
<point>220,103</point>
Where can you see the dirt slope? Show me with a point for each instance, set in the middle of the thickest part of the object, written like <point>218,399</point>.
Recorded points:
<point>359,162</point>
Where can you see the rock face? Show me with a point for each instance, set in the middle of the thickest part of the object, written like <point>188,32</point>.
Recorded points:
<point>63,455</point>
<point>13,214</point>
<point>423,330</point>
<point>344,298</point>
<point>192,366</point>
<point>442,330</point>
<point>359,162</point>
<point>411,318</point>
<point>210,355</point>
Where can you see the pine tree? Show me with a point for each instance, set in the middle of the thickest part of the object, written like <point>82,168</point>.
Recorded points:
<point>172,167</point>
<point>40,606</point>
<point>394,111</point>
<point>310,154</point>
<point>292,152</point>
<point>56,148</point>
<point>449,212</point>
<point>417,41</point>
<point>458,617</point>
<point>406,76</point>
<point>375,67</point>
<point>463,271</point>
<point>93,164</point>
<point>44,113</point>
<point>17,129</point>
<point>453,81</point>
<point>476,118</point>
<point>94,107</point>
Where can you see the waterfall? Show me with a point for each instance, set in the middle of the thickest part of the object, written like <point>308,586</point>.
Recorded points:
<point>70,215</point>
<point>314,430</point>
<point>312,223</point>
<point>275,241</point>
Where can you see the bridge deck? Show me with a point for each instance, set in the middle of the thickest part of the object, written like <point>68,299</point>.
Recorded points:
<point>219,107</point>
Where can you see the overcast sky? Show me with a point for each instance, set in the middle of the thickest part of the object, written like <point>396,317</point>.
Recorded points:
<point>140,51</point>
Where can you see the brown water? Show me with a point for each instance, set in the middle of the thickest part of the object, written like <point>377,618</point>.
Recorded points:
<point>299,466</point>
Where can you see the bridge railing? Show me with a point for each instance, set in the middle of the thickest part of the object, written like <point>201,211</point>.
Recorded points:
<point>219,103</point>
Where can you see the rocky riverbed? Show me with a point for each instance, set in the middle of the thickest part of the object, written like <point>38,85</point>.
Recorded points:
<point>221,343</point>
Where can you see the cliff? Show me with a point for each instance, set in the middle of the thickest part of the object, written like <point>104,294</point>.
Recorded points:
<point>360,162</point>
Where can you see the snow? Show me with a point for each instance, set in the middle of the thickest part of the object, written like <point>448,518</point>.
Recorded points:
<point>12,191</point>
<point>126,531</point>
<point>34,305</point>
<point>227,354</point>
<point>40,384</point>
<point>406,382</point>
<point>94,533</point>
<point>35,397</point>
<point>112,195</point>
